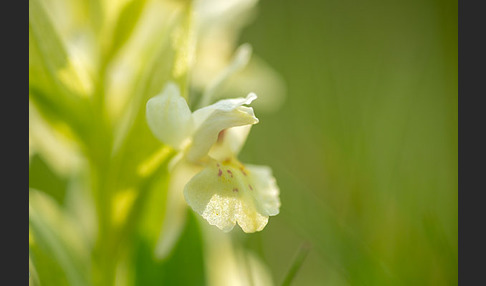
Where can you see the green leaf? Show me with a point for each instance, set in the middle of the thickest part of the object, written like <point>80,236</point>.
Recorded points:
<point>127,21</point>
<point>56,107</point>
<point>137,141</point>
<point>33,277</point>
<point>184,267</point>
<point>56,243</point>
<point>50,73</point>
<point>46,38</point>
<point>48,54</point>
<point>297,263</point>
<point>42,177</point>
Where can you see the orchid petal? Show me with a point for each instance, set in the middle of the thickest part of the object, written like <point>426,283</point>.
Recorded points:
<point>266,189</point>
<point>213,119</point>
<point>169,117</point>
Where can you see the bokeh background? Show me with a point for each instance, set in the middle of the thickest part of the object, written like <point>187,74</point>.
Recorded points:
<point>362,142</point>
<point>365,145</point>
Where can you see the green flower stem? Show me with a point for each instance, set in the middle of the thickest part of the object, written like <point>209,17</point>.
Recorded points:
<point>158,167</point>
<point>100,150</point>
<point>112,240</point>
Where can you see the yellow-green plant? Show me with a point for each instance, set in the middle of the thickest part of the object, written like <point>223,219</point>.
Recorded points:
<point>110,80</point>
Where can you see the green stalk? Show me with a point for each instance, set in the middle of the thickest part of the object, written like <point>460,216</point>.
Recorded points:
<point>100,149</point>
<point>298,260</point>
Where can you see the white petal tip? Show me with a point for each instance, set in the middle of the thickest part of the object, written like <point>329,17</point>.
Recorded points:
<point>172,87</point>
<point>243,54</point>
<point>250,97</point>
<point>273,213</point>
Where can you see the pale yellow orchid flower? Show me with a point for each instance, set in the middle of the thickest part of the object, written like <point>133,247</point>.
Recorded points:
<point>224,191</point>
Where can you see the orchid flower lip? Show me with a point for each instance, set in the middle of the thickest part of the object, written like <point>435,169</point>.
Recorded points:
<point>227,193</point>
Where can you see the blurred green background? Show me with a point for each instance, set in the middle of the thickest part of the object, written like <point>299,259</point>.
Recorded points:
<point>365,146</point>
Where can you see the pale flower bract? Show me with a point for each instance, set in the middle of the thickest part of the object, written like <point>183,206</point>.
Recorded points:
<point>224,191</point>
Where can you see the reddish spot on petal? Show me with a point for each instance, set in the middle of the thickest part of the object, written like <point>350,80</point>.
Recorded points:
<point>251,188</point>
<point>243,170</point>
<point>235,190</point>
<point>221,136</point>
<point>220,172</point>
<point>229,172</point>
